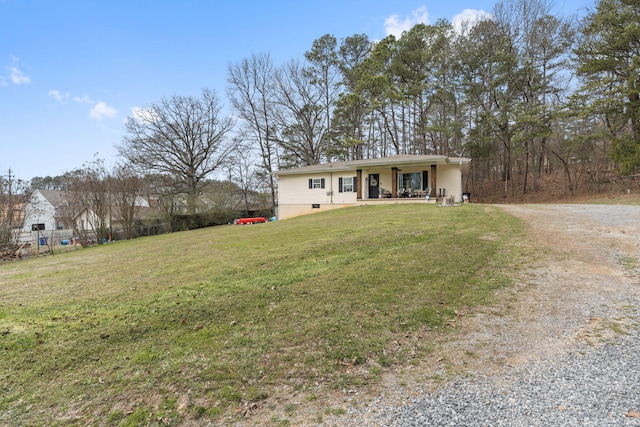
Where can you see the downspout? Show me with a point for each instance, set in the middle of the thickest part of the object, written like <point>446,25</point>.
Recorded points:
<point>460,181</point>
<point>331,188</point>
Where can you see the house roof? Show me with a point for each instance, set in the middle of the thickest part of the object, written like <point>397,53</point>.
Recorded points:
<point>55,197</point>
<point>402,160</point>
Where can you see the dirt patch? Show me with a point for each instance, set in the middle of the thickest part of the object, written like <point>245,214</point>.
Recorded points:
<point>580,289</point>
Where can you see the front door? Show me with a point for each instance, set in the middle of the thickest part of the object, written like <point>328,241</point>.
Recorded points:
<point>374,185</point>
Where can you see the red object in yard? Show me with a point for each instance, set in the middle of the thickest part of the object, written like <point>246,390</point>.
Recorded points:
<point>251,220</point>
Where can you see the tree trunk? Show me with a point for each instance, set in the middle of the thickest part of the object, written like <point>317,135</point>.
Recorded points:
<point>566,169</point>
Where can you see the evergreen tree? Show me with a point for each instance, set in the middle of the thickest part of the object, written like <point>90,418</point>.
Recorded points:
<point>608,58</point>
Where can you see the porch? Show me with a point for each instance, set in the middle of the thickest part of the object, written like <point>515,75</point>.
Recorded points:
<point>410,184</point>
<point>398,201</point>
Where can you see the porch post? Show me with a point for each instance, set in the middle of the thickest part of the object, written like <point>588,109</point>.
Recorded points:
<point>434,181</point>
<point>358,184</point>
<point>394,182</point>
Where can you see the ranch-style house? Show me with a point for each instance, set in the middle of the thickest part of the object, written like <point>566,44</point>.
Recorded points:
<point>394,179</point>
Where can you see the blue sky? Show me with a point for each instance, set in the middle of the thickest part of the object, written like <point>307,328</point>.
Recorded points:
<point>72,71</point>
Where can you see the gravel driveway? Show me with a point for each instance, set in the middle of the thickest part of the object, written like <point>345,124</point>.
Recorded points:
<point>562,350</point>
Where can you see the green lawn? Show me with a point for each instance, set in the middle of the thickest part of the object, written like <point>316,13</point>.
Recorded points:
<point>187,326</point>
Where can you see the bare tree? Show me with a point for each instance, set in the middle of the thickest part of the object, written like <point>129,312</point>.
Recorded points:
<point>163,192</point>
<point>87,192</point>
<point>127,190</point>
<point>243,174</point>
<point>12,198</point>
<point>252,95</point>
<point>301,116</point>
<point>182,136</point>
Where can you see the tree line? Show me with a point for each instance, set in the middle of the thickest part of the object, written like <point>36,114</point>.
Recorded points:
<point>98,203</point>
<point>525,93</point>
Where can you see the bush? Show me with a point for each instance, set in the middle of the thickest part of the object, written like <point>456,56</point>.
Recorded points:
<point>182,222</point>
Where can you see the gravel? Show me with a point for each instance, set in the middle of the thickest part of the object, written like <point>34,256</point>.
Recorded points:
<point>589,387</point>
<point>568,356</point>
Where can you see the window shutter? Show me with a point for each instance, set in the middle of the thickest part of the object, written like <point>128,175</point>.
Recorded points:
<point>310,182</point>
<point>339,185</point>
<point>322,183</point>
<point>355,184</point>
<point>425,180</point>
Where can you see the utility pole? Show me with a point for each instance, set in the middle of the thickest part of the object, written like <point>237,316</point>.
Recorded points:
<point>6,208</point>
<point>9,177</point>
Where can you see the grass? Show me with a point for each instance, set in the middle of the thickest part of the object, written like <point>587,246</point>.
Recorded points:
<point>191,325</point>
<point>629,263</point>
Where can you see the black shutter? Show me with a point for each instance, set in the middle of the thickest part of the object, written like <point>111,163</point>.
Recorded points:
<point>322,183</point>
<point>339,185</point>
<point>355,184</point>
<point>425,180</point>
<point>310,182</point>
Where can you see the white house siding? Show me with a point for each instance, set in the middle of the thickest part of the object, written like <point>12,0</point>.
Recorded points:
<point>290,211</point>
<point>39,211</point>
<point>296,198</point>
<point>385,180</point>
<point>88,221</point>
<point>450,179</point>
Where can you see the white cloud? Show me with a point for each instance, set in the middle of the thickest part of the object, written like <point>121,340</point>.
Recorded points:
<point>144,114</point>
<point>82,100</point>
<point>468,18</point>
<point>18,77</point>
<point>393,25</point>
<point>63,97</point>
<point>57,95</point>
<point>101,111</point>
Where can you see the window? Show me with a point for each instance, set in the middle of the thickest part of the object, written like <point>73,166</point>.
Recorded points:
<point>410,182</point>
<point>316,183</point>
<point>347,184</point>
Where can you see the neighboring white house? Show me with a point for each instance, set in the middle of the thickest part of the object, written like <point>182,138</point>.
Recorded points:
<point>48,215</point>
<point>395,179</point>
<point>44,209</point>
<point>44,216</point>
